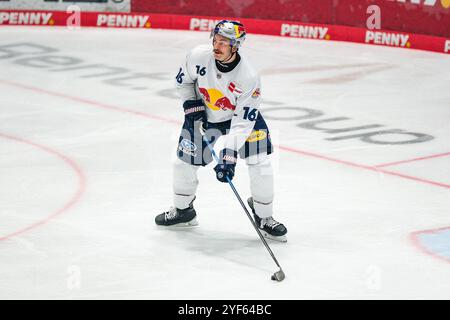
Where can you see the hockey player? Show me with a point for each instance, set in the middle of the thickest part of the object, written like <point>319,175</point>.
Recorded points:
<point>220,92</point>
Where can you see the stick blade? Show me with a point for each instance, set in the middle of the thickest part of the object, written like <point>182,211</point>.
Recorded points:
<point>278,276</point>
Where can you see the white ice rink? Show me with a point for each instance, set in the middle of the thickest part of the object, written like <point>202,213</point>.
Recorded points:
<point>89,122</point>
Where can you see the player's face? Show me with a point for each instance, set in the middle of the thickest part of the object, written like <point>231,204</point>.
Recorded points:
<point>221,47</point>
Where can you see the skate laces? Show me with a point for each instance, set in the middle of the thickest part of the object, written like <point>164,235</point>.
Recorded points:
<point>171,214</point>
<point>270,222</point>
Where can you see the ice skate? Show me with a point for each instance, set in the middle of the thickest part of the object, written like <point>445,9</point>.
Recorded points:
<point>177,217</point>
<point>269,227</point>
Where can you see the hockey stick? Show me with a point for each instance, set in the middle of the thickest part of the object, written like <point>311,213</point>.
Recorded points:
<point>279,275</point>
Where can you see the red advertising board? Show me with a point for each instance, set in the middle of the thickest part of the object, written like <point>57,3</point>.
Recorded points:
<point>430,17</point>
<point>282,28</point>
<point>63,5</point>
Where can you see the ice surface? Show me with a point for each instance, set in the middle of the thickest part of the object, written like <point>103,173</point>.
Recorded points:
<point>88,126</point>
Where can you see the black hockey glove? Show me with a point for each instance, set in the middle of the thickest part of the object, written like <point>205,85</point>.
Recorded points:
<point>194,110</point>
<point>227,164</point>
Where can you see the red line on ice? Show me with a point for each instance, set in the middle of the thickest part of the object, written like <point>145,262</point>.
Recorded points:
<point>413,160</point>
<point>74,199</point>
<point>87,101</point>
<point>363,166</point>
<point>168,120</point>
<point>284,148</point>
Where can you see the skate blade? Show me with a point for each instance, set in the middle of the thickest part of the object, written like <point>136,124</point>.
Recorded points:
<point>275,238</point>
<point>182,225</point>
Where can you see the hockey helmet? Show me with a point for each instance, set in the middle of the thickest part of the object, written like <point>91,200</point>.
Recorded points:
<point>232,30</point>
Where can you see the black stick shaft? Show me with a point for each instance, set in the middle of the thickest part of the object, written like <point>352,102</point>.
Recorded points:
<point>243,205</point>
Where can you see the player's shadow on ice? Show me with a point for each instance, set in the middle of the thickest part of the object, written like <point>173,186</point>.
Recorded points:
<point>238,248</point>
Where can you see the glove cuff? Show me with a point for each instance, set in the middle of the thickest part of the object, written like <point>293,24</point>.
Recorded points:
<point>192,106</point>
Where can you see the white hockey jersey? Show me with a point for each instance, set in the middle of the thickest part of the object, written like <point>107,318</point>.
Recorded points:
<point>229,95</point>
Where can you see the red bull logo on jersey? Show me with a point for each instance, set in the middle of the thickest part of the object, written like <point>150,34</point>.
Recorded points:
<point>215,99</point>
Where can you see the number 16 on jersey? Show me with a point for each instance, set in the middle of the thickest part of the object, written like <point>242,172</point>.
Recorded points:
<point>180,76</point>
<point>250,114</point>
